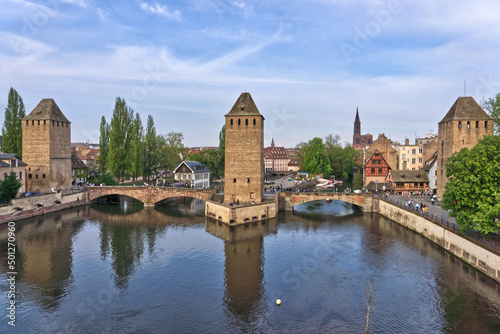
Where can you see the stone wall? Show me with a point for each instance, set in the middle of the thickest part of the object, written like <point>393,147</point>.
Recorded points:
<point>240,214</point>
<point>468,250</point>
<point>26,207</point>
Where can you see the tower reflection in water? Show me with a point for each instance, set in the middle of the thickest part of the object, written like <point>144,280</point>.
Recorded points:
<point>244,264</point>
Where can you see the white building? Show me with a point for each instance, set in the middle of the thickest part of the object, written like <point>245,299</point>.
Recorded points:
<point>12,162</point>
<point>193,173</point>
<point>431,170</point>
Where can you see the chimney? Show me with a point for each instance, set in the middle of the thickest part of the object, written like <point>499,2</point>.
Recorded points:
<point>407,142</point>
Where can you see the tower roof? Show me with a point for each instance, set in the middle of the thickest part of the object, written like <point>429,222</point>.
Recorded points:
<point>47,109</point>
<point>465,107</point>
<point>244,106</point>
<point>357,116</point>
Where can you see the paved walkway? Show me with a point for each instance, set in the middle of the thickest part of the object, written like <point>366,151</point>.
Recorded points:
<point>426,200</point>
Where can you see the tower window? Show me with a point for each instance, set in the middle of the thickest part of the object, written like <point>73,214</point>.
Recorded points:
<point>43,176</point>
<point>32,122</point>
<point>27,122</point>
<point>468,125</point>
<point>477,124</point>
<point>44,122</point>
<point>239,121</point>
<point>459,124</point>
<point>231,122</point>
<point>254,122</point>
<point>248,180</point>
<point>53,123</point>
<point>36,176</point>
<point>485,124</point>
<point>38,122</point>
<point>246,121</point>
<point>234,180</point>
<point>29,176</point>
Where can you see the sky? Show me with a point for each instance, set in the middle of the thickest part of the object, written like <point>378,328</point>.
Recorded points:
<point>307,64</point>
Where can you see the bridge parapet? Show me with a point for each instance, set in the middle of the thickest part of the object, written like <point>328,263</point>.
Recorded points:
<point>149,195</point>
<point>288,200</point>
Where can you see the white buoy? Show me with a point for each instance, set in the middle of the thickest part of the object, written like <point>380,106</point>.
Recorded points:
<point>278,302</point>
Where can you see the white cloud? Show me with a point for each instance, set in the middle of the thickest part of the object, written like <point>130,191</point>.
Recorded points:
<point>156,8</point>
<point>24,45</point>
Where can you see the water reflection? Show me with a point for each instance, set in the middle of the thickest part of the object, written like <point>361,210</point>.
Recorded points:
<point>44,255</point>
<point>244,265</point>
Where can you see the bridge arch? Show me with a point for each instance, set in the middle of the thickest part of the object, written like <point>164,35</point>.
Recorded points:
<point>287,201</point>
<point>149,195</point>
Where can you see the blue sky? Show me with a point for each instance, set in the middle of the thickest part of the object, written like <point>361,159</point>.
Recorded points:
<point>308,64</point>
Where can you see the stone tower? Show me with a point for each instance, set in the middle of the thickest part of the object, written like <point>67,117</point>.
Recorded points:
<point>47,148</point>
<point>244,157</point>
<point>463,126</point>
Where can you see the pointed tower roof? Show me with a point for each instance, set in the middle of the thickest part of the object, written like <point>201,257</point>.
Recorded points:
<point>357,116</point>
<point>465,107</point>
<point>272,143</point>
<point>244,106</point>
<point>47,109</point>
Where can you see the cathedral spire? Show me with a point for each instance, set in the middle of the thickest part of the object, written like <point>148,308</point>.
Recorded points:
<point>357,124</point>
<point>272,142</point>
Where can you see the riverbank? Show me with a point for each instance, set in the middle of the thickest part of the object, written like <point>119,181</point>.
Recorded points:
<point>26,207</point>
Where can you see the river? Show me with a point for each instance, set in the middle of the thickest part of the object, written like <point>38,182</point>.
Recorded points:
<point>119,268</point>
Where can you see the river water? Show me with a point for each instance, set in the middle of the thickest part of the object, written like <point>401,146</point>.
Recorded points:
<point>119,268</point>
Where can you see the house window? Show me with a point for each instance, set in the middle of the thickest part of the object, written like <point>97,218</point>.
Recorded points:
<point>416,185</point>
<point>420,150</point>
<point>413,161</point>
<point>373,170</point>
<point>4,176</point>
<point>20,175</point>
<point>419,160</point>
<point>413,151</point>
<point>380,170</point>
<point>403,156</point>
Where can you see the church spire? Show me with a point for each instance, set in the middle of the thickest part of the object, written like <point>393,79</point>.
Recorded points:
<point>357,124</point>
<point>272,142</point>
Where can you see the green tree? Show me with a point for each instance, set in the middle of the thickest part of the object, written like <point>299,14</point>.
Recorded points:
<point>120,140</point>
<point>473,189</point>
<point>315,160</point>
<point>342,159</point>
<point>492,106</point>
<point>137,147</point>
<point>12,132</point>
<point>9,187</point>
<point>222,154</point>
<point>357,182</point>
<point>172,150</point>
<point>103,146</point>
<point>151,155</point>
<point>213,159</point>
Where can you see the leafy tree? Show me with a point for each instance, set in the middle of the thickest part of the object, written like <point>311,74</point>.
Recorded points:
<point>137,144</point>
<point>219,172</point>
<point>172,150</point>
<point>473,189</point>
<point>120,140</point>
<point>315,160</point>
<point>12,132</point>
<point>213,159</point>
<point>492,106</point>
<point>9,187</point>
<point>151,156</point>
<point>342,159</point>
<point>103,146</point>
<point>357,182</point>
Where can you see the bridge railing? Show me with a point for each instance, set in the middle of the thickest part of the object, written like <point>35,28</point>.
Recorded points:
<point>492,241</point>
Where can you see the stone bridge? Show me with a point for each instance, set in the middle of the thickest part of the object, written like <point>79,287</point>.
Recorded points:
<point>287,200</point>
<point>149,195</point>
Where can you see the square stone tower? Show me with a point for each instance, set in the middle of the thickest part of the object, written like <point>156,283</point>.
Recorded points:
<point>462,127</point>
<point>244,170</point>
<point>47,148</point>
